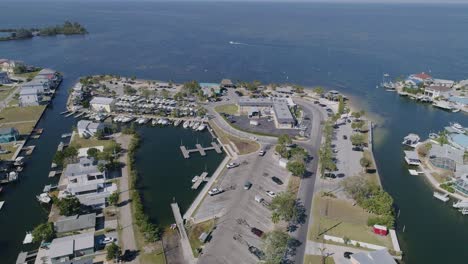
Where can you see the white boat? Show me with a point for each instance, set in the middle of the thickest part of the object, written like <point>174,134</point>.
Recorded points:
<point>201,127</point>
<point>28,238</point>
<point>160,121</point>
<point>185,124</point>
<point>443,105</point>
<point>165,122</point>
<point>456,110</point>
<point>154,121</point>
<point>462,206</point>
<point>457,127</point>
<point>19,161</point>
<point>143,121</point>
<point>195,126</point>
<point>44,198</point>
<point>195,179</point>
<point>441,196</point>
<point>433,136</point>
<point>116,119</point>
<point>1,204</point>
<point>411,140</point>
<point>177,122</point>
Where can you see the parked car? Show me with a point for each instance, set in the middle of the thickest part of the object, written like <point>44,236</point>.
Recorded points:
<point>277,180</point>
<point>271,194</point>
<point>340,175</point>
<point>349,120</point>
<point>316,102</point>
<point>347,254</point>
<point>330,175</point>
<point>107,240</point>
<point>232,165</point>
<point>215,191</point>
<point>335,151</point>
<point>256,231</point>
<point>261,152</point>
<point>345,137</point>
<point>358,149</point>
<point>247,185</point>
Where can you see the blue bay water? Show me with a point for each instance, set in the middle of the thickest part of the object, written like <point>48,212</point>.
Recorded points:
<point>343,46</point>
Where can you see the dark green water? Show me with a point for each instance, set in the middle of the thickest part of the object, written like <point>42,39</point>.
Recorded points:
<point>165,174</point>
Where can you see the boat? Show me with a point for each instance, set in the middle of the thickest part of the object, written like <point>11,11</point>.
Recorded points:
<point>66,135</point>
<point>44,198</point>
<point>191,123</point>
<point>456,110</point>
<point>143,121</point>
<point>387,83</point>
<point>201,127</point>
<point>154,121</point>
<point>28,238</point>
<point>443,105</point>
<point>441,196</point>
<point>164,121</point>
<point>411,140</point>
<point>462,206</point>
<point>1,204</point>
<point>457,127</point>
<point>19,161</point>
<point>195,126</point>
<point>195,178</point>
<point>177,122</point>
<point>185,124</point>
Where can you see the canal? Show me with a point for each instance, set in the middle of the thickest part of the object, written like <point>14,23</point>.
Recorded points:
<point>343,47</point>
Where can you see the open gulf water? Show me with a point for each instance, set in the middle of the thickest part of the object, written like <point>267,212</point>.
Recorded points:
<point>346,47</point>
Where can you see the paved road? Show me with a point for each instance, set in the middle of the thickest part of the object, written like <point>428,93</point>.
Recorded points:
<point>334,251</point>
<point>125,212</point>
<point>306,190</point>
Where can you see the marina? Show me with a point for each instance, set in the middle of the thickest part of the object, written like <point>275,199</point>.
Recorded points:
<point>198,180</point>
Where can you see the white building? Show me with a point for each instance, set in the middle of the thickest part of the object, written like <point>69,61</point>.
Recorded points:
<point>101,104</point>
<point>442,82</point>
<point>30,96</point>
<point>88,128</point>
<point>435,91</point>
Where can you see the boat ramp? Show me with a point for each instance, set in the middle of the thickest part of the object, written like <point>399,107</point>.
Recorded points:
<point>186,152</point>
<point>197,180</point>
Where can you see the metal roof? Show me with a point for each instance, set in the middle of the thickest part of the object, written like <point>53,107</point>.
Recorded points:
<point>102,100</point>
<point>76,222</point>
<point>373,257</point>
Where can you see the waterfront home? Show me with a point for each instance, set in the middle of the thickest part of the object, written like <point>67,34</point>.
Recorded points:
<point>446,157</point>
<point>102,104</point>
<point>372,257</point>
<point>284,90</point>
<point>461,84</point>
<point>9,65</point>
<point>30,96</point>
<point>4,79</point>
<point>420,78</point>
<point>8,134</point>
<point>41,85</point>
<point>88,128</point>
<point>461,185</point>
<point>442,82</point>
<point>411,140</point>
<point>411,157</point>
<point>226,83</point>
<point>77,249</point>
<point>87,182</point>
<point>435,91</point>
<point>75,223</point>
<point>53,77</point>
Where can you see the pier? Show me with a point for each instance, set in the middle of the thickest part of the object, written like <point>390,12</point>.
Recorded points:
<point>186,152</point>
<point>199,181</point>
<point>184,240</point>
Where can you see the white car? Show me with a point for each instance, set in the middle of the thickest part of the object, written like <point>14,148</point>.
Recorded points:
<point>215,191</point>
<point>107,240</point>
<point>261,153</point>
<point>232,165</point>
<point>271,194</point>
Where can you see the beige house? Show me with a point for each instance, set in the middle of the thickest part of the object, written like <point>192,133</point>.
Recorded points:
<point>102,104</point>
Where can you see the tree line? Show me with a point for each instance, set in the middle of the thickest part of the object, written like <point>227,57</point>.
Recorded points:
<point>68,28</point>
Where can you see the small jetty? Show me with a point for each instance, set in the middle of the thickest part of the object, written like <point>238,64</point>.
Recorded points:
<point>26,257</point>
<point>186,152</point>
<point>70,114</point>
<point>441,196</point>
<point>199,180</point>
<point>66,135</point>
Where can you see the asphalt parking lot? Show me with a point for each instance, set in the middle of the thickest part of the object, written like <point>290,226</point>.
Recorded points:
<point>238,210</point>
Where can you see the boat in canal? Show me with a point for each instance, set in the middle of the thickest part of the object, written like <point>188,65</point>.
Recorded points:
<point>185,124</point>
<point>154,121</point>
<point>201,127</point>
<point>441,196</point>
<point>411,140</point>
<point>177,123</point>
<point>195,126</point>
<point>462,206</point>
<point>1,204</point>
<point>44,198</point>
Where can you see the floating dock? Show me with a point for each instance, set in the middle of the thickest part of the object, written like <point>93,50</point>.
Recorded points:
<point>441,196</point>
<point>199,180</point>
<point>198,148</point>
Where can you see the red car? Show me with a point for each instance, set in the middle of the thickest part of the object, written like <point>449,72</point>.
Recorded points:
<point>257,231</point>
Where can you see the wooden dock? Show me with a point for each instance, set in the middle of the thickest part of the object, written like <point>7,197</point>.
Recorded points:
<point>198,148</point>
<point>29,149</point>
<point>199,181</point>
<point>184,240</point>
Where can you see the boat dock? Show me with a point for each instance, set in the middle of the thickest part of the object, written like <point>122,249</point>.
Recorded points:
<point>29,149</point>
<point>70,114</point>
<point>79,114</point>
<point>199,180</point>
<point>184,240</point>
<point>64,112</point>
<point>26,257</point>
<point>54,173</point>
<point>186,152</point>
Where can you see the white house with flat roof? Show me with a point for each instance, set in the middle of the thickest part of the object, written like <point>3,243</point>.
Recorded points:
<point>87,128</point>
<point>278,108</point>
<point>30,96</point>
<point>102,104</point>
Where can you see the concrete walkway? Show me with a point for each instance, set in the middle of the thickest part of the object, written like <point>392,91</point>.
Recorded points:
<point>184,240</point>
<point>333,251</point>
<point>127,238</point>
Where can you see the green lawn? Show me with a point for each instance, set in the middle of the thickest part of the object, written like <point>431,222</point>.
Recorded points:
<point>314,259</point>
<point>21,118</point>
<point>5,91</point>
<point>194,233</point>
<point>230,109</point>
<point>340,218</point>
<point>244,146</point>
<point>11,148</point>
<point>89,142</point>
<point>28,75</point>
<point>152,258</point>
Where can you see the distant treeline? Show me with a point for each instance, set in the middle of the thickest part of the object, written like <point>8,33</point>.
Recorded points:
<point>68,28</point>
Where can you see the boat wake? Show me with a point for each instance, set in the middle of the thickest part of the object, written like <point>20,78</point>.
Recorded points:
<point>237,43</point>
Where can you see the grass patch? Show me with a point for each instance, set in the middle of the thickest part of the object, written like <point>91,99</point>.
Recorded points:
<point>293,184</point>
<point>22,118</point>
<point>230,109</point>
<point>194,233</point>
<point>89,142</point>
<point>5,91</point>
<point>340,218</point>
<point>314,259</point>
<point>244,146</point>
<point>27,75</point>
<point>153,258</point>
<point>11,148</point>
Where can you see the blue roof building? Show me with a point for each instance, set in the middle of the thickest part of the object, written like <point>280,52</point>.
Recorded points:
<point>8,134</point>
